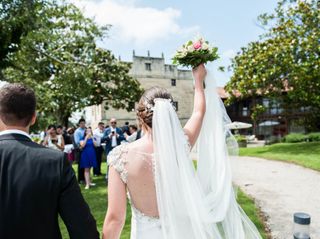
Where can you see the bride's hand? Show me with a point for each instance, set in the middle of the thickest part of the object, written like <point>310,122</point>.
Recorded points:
<point>199,73</point>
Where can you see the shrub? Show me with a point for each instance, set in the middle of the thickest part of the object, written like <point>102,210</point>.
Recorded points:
<point>36,140</point>
<point>242,141</point>
<point>240,138</point>
<point>295,138</point>
<point>314,137</point>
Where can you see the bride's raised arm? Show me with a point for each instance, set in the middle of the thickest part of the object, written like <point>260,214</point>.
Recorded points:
<point>193,126</point>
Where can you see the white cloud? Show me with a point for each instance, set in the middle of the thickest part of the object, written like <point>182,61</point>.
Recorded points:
<point>229,54</point>
<point>131,23</point>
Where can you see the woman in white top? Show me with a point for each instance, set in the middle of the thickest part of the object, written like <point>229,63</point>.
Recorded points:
<point>53,140</point>
<point>133,134</point>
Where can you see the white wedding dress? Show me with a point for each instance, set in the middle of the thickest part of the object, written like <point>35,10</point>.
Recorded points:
<point>169,198</point>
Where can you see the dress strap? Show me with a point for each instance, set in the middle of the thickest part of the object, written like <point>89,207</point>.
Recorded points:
<point>117,160</point>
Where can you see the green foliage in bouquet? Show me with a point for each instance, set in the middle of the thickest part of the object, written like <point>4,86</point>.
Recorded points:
<point>194,53</point>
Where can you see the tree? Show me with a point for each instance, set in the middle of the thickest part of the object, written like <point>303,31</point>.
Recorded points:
<point>285,61</point>
<point>62,63</point>
<point>17,18</point>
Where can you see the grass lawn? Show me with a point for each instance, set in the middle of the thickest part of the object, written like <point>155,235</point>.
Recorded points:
<point>248,205</point>
<point>96,197</point>
<point>304,154</point>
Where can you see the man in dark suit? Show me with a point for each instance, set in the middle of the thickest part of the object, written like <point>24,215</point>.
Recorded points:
<point>112,137</point>
<point>36,183</point>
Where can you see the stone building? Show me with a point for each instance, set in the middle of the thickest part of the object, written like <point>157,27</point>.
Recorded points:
<point>151,71</point>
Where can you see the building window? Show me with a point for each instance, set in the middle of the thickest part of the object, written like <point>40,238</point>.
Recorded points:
<point>131,106</point>
<point>266,102</point>
<point>148,66</point>
<point>170,68</point>
<point>173,82</point>
<point>245,111</point>
<point>175,105</point>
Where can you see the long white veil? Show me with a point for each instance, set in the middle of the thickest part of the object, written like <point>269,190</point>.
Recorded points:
<point>197,204</point>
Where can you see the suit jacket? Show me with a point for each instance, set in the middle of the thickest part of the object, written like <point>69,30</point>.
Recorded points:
<point>36,185</point>
<point>108,141</point>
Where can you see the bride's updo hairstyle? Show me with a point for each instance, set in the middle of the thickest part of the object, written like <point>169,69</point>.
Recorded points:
<point>146,104</point>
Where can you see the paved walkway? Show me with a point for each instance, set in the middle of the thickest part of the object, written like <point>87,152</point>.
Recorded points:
<point>280,189</point>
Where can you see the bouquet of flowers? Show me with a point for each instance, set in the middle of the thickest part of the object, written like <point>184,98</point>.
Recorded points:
<point>194,53</point>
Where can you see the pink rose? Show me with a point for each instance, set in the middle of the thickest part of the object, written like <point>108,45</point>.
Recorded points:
<point>197,45</point>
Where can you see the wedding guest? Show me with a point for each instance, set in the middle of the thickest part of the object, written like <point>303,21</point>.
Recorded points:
<point>37,184</point>
<point>125,129</point>
<point>112,137</point>
<point>133,134</point>
<point>62,131</point>
<point>78,136</point>
<point>43,135</point>
<point>71,155</point>
<point>53,140</point>
<point>98,134</point>
<point>88,156</point>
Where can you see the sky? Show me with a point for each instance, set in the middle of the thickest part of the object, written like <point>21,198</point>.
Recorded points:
<point>162,26</point>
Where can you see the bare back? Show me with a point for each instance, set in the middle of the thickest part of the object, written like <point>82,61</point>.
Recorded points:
<point>135,164</point>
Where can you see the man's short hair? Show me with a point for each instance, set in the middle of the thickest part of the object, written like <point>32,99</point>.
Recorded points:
<point>100,123</point>
<point>81,120</point>
<point>52,126</point>
<point>17,105</point>
<point>134,127</point>
<point>59,127</point>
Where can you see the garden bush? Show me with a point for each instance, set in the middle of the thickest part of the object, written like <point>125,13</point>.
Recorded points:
<point>242,141</point>
<point>295,138</point>
<point>314,137</point>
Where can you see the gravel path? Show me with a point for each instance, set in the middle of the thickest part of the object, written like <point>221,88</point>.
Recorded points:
<point>280,189</point>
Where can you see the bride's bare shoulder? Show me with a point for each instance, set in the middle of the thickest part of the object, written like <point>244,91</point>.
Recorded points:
<point>141,145</point>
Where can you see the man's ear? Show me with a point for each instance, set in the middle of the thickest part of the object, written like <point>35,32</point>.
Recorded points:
<point>34,119</point>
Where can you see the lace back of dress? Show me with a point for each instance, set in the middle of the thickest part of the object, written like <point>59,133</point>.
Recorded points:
<point>136,169</point>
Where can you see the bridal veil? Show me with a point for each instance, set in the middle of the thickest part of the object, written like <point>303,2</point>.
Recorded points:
<point>197,203</point>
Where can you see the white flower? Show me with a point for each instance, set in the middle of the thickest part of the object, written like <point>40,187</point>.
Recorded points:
<point>184,53</point>
<point>190,48</point>
<point>205,46</point>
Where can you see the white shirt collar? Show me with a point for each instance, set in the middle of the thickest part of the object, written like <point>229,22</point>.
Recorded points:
<point>15,131</point>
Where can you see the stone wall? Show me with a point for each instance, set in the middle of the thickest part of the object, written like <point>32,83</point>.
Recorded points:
<point>151,71</point>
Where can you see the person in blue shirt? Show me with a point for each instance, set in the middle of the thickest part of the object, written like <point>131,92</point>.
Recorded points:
<point>78,137</point>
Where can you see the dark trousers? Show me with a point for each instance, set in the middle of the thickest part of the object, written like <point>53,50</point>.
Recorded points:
<point>97,170</point>
<point>77,154</point>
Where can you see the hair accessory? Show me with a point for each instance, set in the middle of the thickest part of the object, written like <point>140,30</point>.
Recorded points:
<point>149,107</point>
<point>161,99</point>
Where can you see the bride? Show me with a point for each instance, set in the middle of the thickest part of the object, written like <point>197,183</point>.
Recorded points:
<point>169,198</point>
